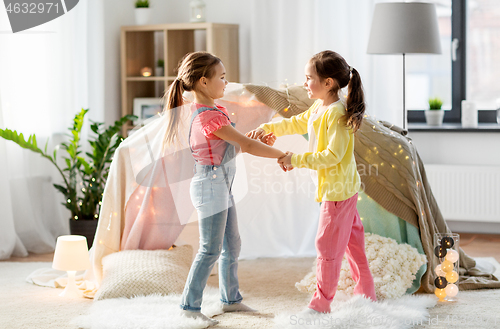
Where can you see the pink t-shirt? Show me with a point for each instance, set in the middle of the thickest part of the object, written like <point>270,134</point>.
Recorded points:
<point>203,127</point>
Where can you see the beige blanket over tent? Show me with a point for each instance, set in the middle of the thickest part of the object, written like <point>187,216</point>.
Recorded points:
<point>393,175</point>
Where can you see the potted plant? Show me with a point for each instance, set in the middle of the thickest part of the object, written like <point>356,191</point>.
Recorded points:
<point>83,178</point>
<point>434,115</point>
<point>142,12</point>
<point>159,70</point>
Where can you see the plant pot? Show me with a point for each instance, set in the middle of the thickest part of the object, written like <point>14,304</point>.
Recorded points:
<point>142,15</point>
<point>84,227</point>
<point>159,71</point>
<point>434,117</point>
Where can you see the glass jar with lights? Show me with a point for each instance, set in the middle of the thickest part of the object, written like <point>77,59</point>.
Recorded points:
<point>446,272</point>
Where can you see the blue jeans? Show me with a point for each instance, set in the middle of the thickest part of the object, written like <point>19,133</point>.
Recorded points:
<point>219,236</point>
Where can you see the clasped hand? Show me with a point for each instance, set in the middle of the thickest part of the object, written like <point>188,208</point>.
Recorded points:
<point>285,162</point>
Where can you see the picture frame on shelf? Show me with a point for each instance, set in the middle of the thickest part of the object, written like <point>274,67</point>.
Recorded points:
<point>145,108</point>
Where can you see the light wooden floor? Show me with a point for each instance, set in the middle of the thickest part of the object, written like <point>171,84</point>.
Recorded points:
<point>475,245</point>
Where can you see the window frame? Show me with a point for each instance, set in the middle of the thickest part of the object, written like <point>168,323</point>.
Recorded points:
<point>458,72</point>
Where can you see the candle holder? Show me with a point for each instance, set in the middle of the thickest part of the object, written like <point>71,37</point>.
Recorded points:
<point>446,247</point>
<point>146,71</point>
<point>197,11</point>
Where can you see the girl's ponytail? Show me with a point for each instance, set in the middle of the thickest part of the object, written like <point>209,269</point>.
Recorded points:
<point>355,105</point>
<point>173,102</point>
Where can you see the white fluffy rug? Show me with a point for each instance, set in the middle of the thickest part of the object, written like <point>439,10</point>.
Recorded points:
<point>148,312</point>
<point>358,312</point>
<point>162,312</point>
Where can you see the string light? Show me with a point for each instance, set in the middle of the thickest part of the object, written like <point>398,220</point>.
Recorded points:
<point>69,200</point>
<point>93,179</point>
<point>96,216</point>
<point>76,217</point>
<point>83,189</point>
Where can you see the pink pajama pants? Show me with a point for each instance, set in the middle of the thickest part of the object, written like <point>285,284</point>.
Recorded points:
<point>340,231</point>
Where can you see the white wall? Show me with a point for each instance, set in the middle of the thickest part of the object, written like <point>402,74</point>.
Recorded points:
<point>458,148</point>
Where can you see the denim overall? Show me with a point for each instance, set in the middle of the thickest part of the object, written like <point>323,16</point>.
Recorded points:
<point>212,197</point>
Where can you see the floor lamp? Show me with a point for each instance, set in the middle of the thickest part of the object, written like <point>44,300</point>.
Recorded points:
<point>404,28</point>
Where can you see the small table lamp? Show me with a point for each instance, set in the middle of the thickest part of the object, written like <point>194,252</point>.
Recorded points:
<point>404,28</point>
<point>71,255</point>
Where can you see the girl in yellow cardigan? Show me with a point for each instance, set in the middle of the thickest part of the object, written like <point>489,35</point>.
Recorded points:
<point>331,127</point>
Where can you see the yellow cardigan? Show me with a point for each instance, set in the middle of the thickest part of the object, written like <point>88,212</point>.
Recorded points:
<point>338,178</point>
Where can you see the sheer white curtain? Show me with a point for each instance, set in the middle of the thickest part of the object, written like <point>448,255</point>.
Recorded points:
<point>44,81</point>
<point>286,33</point>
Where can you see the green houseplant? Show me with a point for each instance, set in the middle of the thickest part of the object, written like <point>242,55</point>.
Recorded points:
<point>83,178</point>
<point>434,115</point>
<point>142,12</point>
<point>142,4</point>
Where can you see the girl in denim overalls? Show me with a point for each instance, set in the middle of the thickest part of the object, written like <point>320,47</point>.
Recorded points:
<point>210,132</point>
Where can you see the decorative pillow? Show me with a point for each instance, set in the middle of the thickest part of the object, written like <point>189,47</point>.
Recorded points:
<point>132,273</point>
<point>393,267</point>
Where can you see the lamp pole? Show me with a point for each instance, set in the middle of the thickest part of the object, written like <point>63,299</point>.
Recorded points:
<point>404,93</point>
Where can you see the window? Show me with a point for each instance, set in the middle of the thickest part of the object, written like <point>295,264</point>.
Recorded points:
<point>467,67</point>
<point>483,49</point>
<point>430,75</point>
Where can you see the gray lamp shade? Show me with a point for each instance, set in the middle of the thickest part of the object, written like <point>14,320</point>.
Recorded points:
<point>404,28</point>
